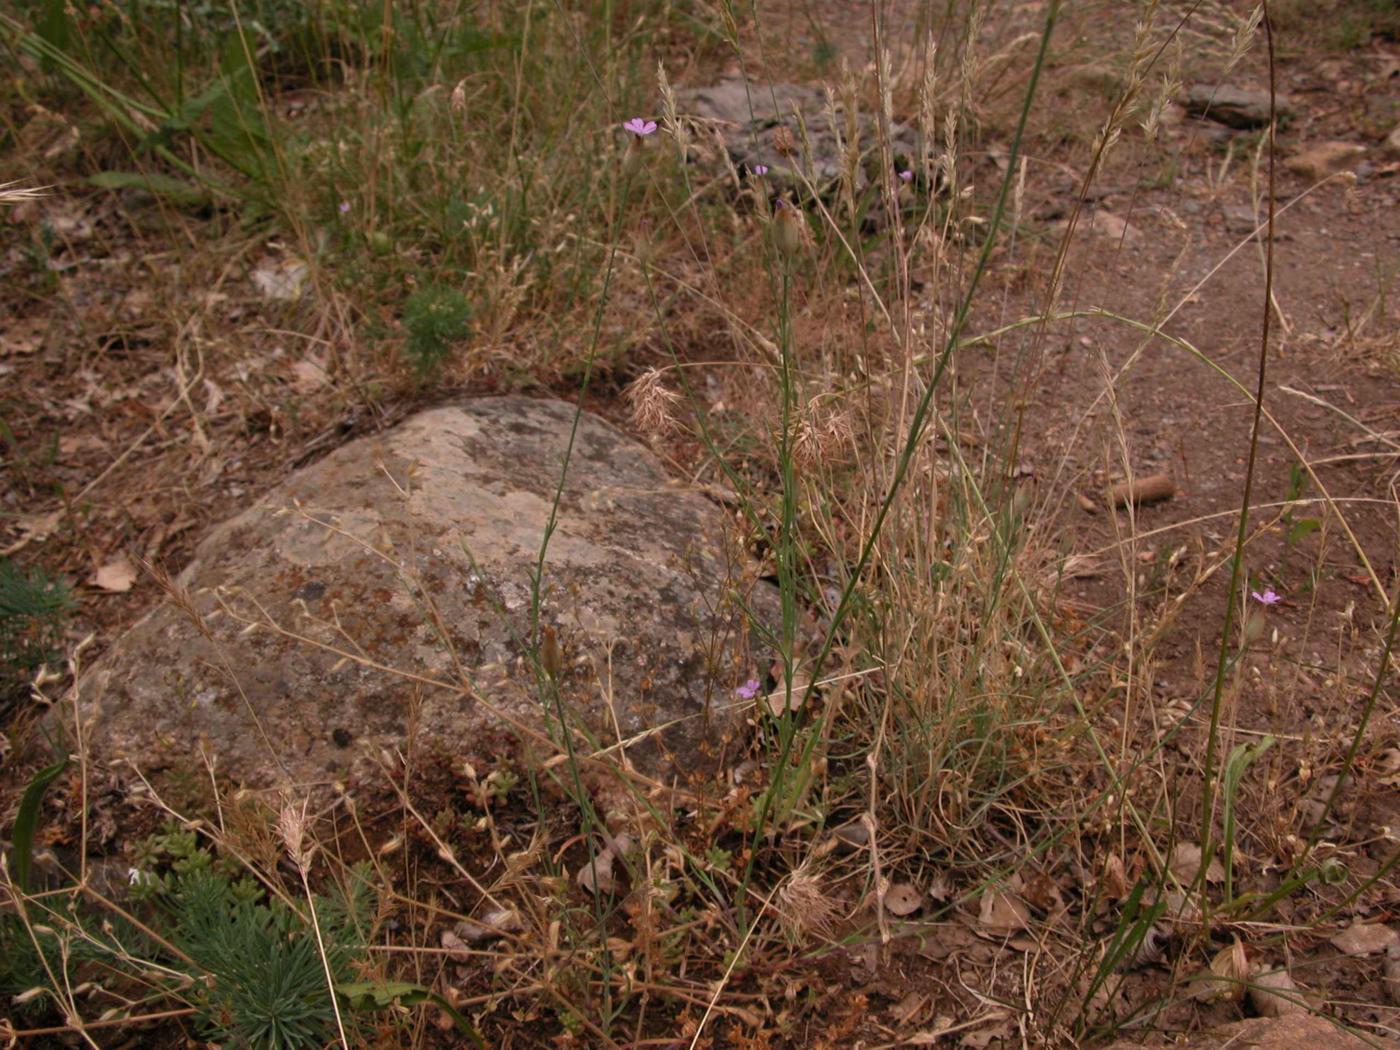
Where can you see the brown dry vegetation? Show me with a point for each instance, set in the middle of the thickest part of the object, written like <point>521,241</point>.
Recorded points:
<point>982,825</point>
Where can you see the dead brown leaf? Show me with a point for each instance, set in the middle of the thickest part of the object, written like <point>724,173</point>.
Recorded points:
<point>1185,864</point>
<point>903,899</point>
<point>982,1038</point>
<point>1272,993</point>
<point>1002,913</point>
<point>908,1008</point>
<point>280,280</point>
<point>455,947</point>
<point>310,377</point>
<point>1115,879</point>
<point>492,923</point>
<point>597,876</point>
<point>1043,893</point>
<point>116,576</point>
<point>19,338</point>
<point>33,528</point>
<point>1365,938</point>
<point>944,940</point>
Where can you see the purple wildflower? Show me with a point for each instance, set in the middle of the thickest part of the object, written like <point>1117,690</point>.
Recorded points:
<point>760,170</point>
<point>639,127</point>
<point>344,207</point>
<point>906,175</point>
<point>1269,597</point>
<point>748,690</point>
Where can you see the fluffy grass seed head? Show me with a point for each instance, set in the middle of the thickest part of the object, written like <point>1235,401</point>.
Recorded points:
<point>806,906</point>
<point>821,436</point>
<point>652,403</point>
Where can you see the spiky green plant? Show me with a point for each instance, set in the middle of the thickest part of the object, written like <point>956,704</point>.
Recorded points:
<point>33,609</point>
<point>435,317</point>
<point>265,987</point>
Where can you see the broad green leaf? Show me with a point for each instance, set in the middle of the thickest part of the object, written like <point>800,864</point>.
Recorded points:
<point>27,821</point>
<point>178,190</point>
<point>53,26</point>
<point>372,995</point>
<point>1301,529</point>
<point>1235,766</point>
<point>1297,483</point>
<point>237,131</point>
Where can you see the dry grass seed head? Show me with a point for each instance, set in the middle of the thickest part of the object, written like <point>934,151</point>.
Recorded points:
<point>783,140</point>
<point>652,403</point>
<point>806,907</point>
<point>822,435</point>
<point>669,120</point>
<point>291,827</point>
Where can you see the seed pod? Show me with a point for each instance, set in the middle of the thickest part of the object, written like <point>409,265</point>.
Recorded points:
<point>551,656</point>
<point>1154,488</point>
<point>789,229</point>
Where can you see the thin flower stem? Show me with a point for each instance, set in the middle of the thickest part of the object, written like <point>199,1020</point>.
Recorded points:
<point>549,682</point>
<point>1367,712</point>
<point>1223,661</point>
<point>110,1022</point>
<point>325,959</point>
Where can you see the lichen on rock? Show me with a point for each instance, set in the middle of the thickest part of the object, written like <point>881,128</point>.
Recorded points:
<point>386,590</point>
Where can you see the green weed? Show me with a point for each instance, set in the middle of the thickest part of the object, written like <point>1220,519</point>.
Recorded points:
<point>34,607</point>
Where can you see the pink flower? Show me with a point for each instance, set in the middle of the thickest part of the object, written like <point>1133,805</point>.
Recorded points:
<point>344,207</point>
<point>906,175</point>
<point>639,127</point>
<point>1267,598</point>
<point>748,690</point>
<point>760,170</point>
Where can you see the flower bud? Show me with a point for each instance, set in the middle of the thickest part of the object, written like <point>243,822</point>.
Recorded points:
<point>789,229</point>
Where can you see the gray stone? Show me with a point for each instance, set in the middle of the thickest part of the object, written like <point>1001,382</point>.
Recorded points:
<point>1325,159</point>
<point>1243,219</point>
<point>1233,107</point>
<point>413,551</point>
<point>1391,146</point>
<point>746,119</point>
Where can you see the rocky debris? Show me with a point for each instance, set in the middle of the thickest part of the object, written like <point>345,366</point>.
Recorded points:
<point>1245,219</point>
<point>1391,973</point>
<point>788,127</point>
<point>1241,218</point>
<point>1102,225</point>
<point>1391,146</point>
<point>1233,107</point>
<point>1111,227</point>
<point>413,550</point>
<point>1318,162</point>
<point>1291,1031</point>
